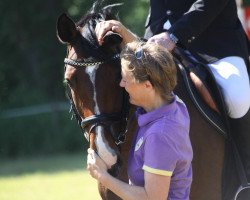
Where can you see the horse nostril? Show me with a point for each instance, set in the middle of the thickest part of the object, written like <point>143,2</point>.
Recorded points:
<point>115,168</point>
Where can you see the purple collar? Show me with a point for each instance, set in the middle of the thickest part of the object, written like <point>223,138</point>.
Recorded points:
<point>145,118</point>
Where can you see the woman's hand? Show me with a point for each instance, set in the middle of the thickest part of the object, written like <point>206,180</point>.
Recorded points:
<point>96,166</point>
<point>115,26</point>
<point>156,186</point>
<point>164,40</point>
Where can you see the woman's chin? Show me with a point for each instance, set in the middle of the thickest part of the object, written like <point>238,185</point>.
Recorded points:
<point>131,100</point>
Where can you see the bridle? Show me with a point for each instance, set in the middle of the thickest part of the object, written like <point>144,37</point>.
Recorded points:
<point>106,120</point>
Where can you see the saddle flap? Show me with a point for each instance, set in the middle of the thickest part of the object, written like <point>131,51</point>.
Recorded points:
<point>203,90</point>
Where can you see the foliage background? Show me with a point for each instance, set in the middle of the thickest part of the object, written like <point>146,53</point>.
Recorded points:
<point>31,74</point>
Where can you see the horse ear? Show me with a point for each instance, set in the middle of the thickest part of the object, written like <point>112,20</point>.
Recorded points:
<point>66,29</point>
<point>112,39</point>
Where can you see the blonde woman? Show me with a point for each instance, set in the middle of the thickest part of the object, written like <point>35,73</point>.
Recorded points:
<point>160,158</point>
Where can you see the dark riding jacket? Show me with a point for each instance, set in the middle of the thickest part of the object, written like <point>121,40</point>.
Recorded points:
<point>209,28</point>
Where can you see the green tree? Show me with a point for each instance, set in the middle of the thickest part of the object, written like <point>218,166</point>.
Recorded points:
<point>31,68</point>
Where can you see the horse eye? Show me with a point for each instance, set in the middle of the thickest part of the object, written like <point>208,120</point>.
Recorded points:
<point>67,81</point>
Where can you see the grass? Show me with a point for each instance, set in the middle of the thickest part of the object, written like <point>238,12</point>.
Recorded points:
<point>47,178</point>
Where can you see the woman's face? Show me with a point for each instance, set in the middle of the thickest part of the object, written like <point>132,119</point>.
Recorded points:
<point>135,90</point>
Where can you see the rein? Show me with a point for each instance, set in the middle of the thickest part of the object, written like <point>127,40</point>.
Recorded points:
<point>103,119</point>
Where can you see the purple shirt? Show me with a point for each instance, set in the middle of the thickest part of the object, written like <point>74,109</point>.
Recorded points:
<point>162,146</point>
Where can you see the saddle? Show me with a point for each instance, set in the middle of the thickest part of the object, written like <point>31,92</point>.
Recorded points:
<point>203,90</point>
<point>206,95</point>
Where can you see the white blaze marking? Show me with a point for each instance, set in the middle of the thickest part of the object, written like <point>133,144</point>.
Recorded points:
<point>107,154</point>
<point>91,71</point>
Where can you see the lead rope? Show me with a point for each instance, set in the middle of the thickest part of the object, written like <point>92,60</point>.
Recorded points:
<point>122,135</point>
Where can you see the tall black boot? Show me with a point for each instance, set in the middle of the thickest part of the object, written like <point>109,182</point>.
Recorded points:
<point>240,131</point>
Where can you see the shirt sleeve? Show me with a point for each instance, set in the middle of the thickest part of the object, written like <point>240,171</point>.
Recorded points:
<point>160,154</point>
<point>197,19</point>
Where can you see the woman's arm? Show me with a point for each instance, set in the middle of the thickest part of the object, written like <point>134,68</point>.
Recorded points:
<point>156,186</point>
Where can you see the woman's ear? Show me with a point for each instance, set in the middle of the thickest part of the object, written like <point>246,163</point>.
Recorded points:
<point>148,84</point>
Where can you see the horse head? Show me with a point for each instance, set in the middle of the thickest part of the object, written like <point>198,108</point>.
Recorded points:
<point>92,75</point>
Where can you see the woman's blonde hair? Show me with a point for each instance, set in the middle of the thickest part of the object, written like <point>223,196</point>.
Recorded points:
<point>152,62</point>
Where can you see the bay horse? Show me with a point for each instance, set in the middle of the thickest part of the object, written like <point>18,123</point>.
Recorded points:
<point>93,73</point>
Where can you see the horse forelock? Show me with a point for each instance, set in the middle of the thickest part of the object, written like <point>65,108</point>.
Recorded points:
<point>89,40</point>
<point>96,14</point>
<point>85,43</point>
<point>87,26</point>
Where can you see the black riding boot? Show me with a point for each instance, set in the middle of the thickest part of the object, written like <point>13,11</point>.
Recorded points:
<point>240,131</point>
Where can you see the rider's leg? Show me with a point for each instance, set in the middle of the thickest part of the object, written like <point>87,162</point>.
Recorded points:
<point>232,77</point>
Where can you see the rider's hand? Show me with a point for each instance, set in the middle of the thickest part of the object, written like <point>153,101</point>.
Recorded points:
<point>164,40</point>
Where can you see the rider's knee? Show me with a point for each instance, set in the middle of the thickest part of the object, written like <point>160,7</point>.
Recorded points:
<point>238,102</point>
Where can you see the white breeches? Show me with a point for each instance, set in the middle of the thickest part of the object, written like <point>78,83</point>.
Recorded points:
<point>232,77</point>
